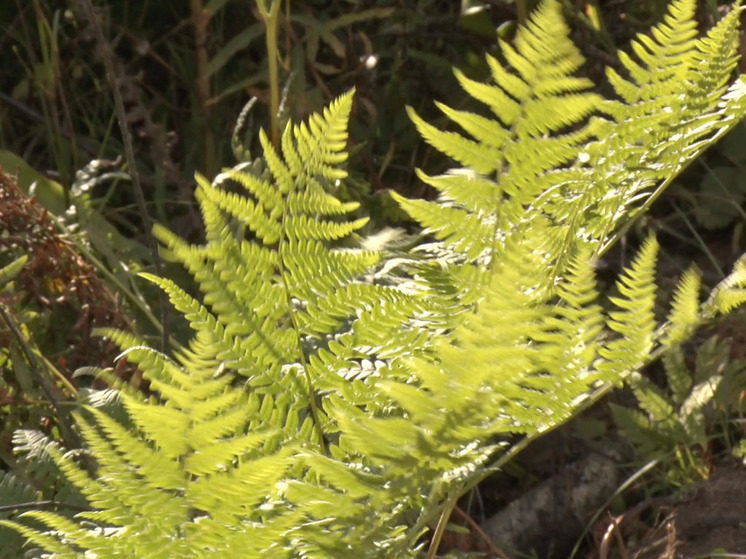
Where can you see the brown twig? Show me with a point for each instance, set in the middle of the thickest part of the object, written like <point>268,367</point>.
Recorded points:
<point>614,528</point>
<point>440,528</point>
<point>487,540</point>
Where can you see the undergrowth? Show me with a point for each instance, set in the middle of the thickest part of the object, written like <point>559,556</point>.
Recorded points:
<point>340,392</point>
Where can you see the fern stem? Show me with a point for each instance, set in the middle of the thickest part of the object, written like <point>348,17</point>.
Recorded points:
<point>309,383</point>
<point>301,355</point>
<point>518,447</point>
<point>605,245</point>
<point>270,17</point>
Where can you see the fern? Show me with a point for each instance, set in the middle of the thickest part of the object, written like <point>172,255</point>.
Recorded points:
<point>325,380</point>
<point>510,160</point>
<point>12,492</point>
<point>38,482</point>
<point>598,176</point>
<point>685,314</point>
<point>673,425</point>
<point>635,319</point>
<point>288,308</point>
<point>677,90</point>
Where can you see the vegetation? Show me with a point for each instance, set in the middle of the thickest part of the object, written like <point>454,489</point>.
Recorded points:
<point>339,386</point>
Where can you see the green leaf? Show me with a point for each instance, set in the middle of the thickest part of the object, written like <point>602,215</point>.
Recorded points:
<point>684,316</point>
<point>11,271</point>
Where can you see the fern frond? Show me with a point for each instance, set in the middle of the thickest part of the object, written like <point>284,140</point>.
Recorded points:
<point>673,107</point>
<point>183,458</point>
<point>635,320</point>
<point>665,425</point>
<point>292,309</point>
<point>643,433</point>
<point>573,333</point>
<point>44,540</point>
<point>652,400</point>
<point>510,367</point>
<point>13,491</point>
<point>691,413</point>
<point>685,311</point>
<point>535,98</point>
<point>664,58</point>
<point>325,379</point>
<point>677,374</point>
<point>729,293</point>
<point>36,452</point>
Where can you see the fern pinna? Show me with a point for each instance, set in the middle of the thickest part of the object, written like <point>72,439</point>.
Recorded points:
<point>335,401</point>
<point>587,175</point>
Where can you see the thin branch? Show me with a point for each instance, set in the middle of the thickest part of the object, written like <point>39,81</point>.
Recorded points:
<point>129,150</point>
<point>474,526</point>
<point>43,505</point>
<point>65,421</point>
<point>34,116</point>
<point>440,529</point>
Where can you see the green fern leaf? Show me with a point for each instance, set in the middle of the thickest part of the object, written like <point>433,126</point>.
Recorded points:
<point>13,491</point>
<point>685,315</point>
<point>44,540</point>
<point>664,58</point>
<point>641,432</point>
<point>671,110</point>
<point>652,400</point>
<point>325,380</point>
<point>729,293</point>
<point>580,317</point>
<point>535,97</point>
<point>677,374</point>
<point>691,413</point>
<point>635,319</point>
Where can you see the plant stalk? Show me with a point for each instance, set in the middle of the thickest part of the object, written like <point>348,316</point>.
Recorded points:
<point>200,20</point>
<point>440,529</point>
<point>270,16</point>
